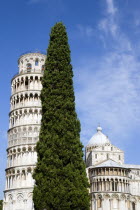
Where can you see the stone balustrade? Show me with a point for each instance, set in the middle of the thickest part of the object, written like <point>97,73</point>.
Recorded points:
<point>19,155</point>
<point>20,177</point>
<point>26,82</point>
<point>25,116</point>
<point>25,99</point>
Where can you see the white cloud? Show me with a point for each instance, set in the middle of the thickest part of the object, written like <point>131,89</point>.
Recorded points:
<point>109,24</point>
<point>111,9</point>
<point>109,94</point>
<point>109,87</point>
<point>87,31</point>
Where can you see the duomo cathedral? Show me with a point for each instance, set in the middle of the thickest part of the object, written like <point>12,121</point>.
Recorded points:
<point>114,185</point>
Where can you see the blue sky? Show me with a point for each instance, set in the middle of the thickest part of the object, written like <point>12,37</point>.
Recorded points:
<point>105,50</point>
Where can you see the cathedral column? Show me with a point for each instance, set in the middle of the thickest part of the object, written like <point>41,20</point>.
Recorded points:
<point>110,186</point>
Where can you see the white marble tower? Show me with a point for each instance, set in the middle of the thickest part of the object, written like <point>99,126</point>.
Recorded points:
<point>24,126</point>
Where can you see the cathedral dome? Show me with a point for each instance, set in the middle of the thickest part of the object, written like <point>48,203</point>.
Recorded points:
<point>98,139</point>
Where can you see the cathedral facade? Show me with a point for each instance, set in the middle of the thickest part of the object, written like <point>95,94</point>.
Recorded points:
<point>114,185</point>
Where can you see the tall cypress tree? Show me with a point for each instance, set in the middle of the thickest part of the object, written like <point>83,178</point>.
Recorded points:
<point>60,177</point>
<point>1,204</point>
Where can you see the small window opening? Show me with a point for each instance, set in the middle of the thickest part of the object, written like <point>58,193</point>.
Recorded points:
<point>29,66</point>
<point>36,62</point>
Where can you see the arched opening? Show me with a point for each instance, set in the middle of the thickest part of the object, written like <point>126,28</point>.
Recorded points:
<point>116,186</point>
<point>133,206</point>
<point>31,96</point>
<point>112,185</point>
<point>26,82</point>
<point>31,79</point>
<point>17,100</point>
<point>36,96</point>
<point>18,83</point>
<point>26,97</point>
<point>22,81</point>
<point>21,98</point>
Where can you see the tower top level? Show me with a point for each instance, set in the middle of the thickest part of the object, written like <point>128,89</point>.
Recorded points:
<point>31,63</point>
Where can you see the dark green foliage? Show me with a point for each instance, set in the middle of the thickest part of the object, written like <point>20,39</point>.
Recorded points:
<point>60,177</point>
<point>1,204</point>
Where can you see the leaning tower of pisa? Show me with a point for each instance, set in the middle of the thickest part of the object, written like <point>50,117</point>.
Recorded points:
<point>24,126</point>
